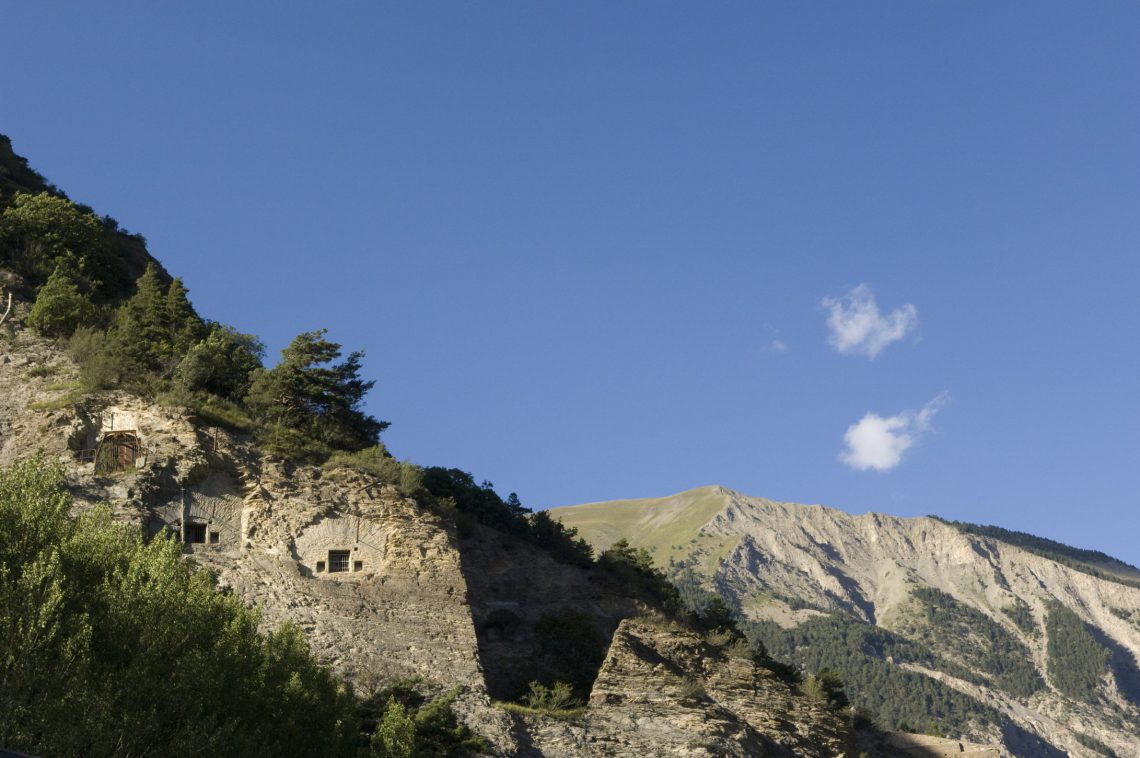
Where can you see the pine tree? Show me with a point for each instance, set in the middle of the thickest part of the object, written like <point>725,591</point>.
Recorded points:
<point>184,325</point>
<point>309,398</point>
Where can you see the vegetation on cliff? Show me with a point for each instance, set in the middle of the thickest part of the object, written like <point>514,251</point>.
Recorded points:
<point>114,646</point>
<point>1077,662</point>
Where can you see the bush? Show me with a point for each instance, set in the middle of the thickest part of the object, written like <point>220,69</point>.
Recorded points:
<point>825,686</point>
<point>60,308</point>
<point>98,628</point>
<point>557,697</point>
<point>221,364</point>
<point>1076,661</point>
<point>691,689</point>
<point>395,735</point>
<point>407,477</point>
<point>413,725</point>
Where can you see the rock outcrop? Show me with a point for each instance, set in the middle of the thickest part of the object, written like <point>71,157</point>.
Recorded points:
<point>663,691</point>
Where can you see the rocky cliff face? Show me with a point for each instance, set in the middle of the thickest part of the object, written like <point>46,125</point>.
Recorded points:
<point>790,563</point>
<point>385,589</point>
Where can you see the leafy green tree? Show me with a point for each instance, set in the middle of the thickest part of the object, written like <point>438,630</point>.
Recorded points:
<point>42,231</point>
<point>395,735</point>
<point>825,686</point>
<point>222,364</point>
<point>113,646</point>
<point>633,570</point>
<point>309,397</point>
<point>60,307</point>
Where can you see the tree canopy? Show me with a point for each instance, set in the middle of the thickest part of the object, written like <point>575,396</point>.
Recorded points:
<point>112,646</point>
<point>310,398</point>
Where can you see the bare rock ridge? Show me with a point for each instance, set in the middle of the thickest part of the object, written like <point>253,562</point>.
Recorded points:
<point>785,564</point>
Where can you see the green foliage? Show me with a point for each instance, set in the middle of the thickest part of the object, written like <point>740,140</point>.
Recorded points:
<point>395,735</point>
<point>633,570</point>
<point>311,395</point>
<point>692,688</point>
<point>222,364</point>
<point>411,724</point>
<point>825,686</point>
<point>406,476</point>
<point>1022,617</point>
<point>569,649</point>
<point>147,339</point>
<point>112,646</point>
<point>97,366</point>
<point>42,231</point>
<point>963,634</point>
<point>557,697</point>
<point>481,504</point>
<point>1076,661</point>
<point>1092,743</point>
<point>857,652</point>
<point>150,332</point>
<point>60,307</point>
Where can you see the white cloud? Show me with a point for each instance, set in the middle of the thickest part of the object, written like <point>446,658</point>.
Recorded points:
<point>858,328</point>
<point>775,344</point>
<point>879,443</point>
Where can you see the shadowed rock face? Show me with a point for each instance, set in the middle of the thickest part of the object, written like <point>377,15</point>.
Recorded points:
<point>663,691</point>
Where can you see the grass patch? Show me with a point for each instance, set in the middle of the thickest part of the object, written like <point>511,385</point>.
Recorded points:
<point>43,370</point>
<point>57,386</point>
<point>225,414</point>
<point>556,701</point>
<point>562,714</point>
<point>666,527</point>
<point>60,402</point>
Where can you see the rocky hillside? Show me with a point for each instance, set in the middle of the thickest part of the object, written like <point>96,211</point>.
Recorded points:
<point>389,583</point>
<point>990,639</point>
<point>416,598</point>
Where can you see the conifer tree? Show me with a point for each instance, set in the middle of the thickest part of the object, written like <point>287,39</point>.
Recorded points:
<point>185,327</point>
<point>310,395</point>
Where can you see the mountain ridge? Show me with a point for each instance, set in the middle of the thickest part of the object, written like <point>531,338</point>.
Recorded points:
<point>788,568</point>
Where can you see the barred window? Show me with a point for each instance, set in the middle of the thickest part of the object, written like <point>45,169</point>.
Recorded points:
<point>195,532</point>
<point>338,560</point>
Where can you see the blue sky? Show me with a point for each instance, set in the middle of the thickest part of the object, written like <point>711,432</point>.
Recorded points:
<point>572,237</point>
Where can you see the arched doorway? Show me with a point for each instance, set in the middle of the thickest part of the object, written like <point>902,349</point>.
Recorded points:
<point>117,451</point>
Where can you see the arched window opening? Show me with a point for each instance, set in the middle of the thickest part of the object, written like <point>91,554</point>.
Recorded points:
<point>117,451</point>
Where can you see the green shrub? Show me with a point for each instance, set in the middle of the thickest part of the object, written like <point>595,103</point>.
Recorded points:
<point>825,686</point>
<point>557,697</point>
<point>691,688</point>
<point>407,477</point>
<point>112,646</point>
<point>222,364</point>
<point>60,308</point>
<point>395,735</point>
<point>1092,743</point>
